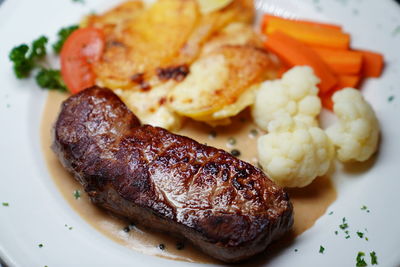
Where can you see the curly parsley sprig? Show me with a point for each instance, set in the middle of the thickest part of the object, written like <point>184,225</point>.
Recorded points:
<point>27,58</point>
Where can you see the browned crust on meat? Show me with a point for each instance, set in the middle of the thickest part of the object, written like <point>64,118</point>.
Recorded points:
<point>226,207</point>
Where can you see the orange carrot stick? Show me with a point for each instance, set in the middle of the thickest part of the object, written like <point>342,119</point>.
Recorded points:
<point>308,33</point>
<point>341,61</point>
<point>373,64</point>
<point>293,52</point>
<point>343,82</point>
<point>282,69</point>
<point>326,99</point>
<point>348,81</point>
<point>267,17</point>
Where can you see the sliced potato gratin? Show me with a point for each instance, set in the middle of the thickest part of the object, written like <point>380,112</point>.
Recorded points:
<point>201,59</point>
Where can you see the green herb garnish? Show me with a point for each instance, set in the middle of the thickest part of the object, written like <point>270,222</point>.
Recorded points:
<point>63,34</point>
<point>321,249</point>
<point>235,153</point>
<point>374,258</point>
<point>336,232</point>
<point>231,141</point>
<point>344,224</point>
<point>5,204</point>
<point>295,250</point>
<point>212,134</point>
<point>77,194</point>
<point>360,234</point>
<point>360,262</point>
<point>50,79</point>
<point>25,58</point>
<point>390,98</point>
<point>253,133</point>
<point>40,245</point>
<point>330,213</point>
<point>396,31</point>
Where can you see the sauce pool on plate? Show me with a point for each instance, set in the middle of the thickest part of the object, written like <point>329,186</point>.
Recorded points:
<point>239,138</point>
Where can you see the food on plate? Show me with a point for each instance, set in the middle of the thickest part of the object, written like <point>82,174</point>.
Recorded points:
<point>343,62</point>
<point>295,53</point>
<point>373,64</point>
<point>296,94</point>
<point>356,134</point>
<point>295,150</point>
<point>207,6</point>
<point>224,206</point>
<point>83,48</point>
<point>333,61</point>
<point>152,39</point>
<point>201,60</point>
<point>312,33</point>
<point>219,79</point>
<point>149,52</point>
<point>293,153</point>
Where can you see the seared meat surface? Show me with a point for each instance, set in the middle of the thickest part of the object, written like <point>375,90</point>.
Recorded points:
<point>166,182</point>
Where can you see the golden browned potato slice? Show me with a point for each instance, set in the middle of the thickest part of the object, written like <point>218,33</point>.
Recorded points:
<point>219,79</point>
<point>116,17</point>
<point>234,34</point>
<point>150,106</point>
<point>241,11</point>
<point>169,33</point>
<point>150,41</point>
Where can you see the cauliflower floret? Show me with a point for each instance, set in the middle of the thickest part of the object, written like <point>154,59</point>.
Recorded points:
<point>356,134</point>
<point>295,94</point>
<point>293,153</point>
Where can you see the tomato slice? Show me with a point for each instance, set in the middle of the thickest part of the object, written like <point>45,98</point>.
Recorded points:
<point>82,48</point>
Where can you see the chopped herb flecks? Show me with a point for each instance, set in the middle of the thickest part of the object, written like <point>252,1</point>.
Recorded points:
<point>336,232</point>
<point>69,227</point>
<point>212,134</point>
<point>253,133</point>
<point>374,258</point>
<point>40,245</point>
<point>5,204</point>
<point>365,208</point>
<point>161,246</point>
<point>235,153</point>
<point>330,213</point>
<point>360,261</point>
<point>295,250</point>
<point>321,249</point>
<point>344,224</point>
<point>231,141</point>
<point>77,194</point>
<point>396,31</point>
<point>390,98</point>
<point>360,234</point>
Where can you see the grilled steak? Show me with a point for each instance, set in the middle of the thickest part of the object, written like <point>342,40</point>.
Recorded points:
<point>167,182</point>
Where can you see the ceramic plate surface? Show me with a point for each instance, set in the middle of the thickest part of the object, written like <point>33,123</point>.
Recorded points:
<point>37,212</point>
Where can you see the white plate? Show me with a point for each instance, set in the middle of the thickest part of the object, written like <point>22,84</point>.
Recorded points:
<point>37,212</point>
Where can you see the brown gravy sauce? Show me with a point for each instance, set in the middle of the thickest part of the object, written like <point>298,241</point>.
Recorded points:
<point>310,203</point>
